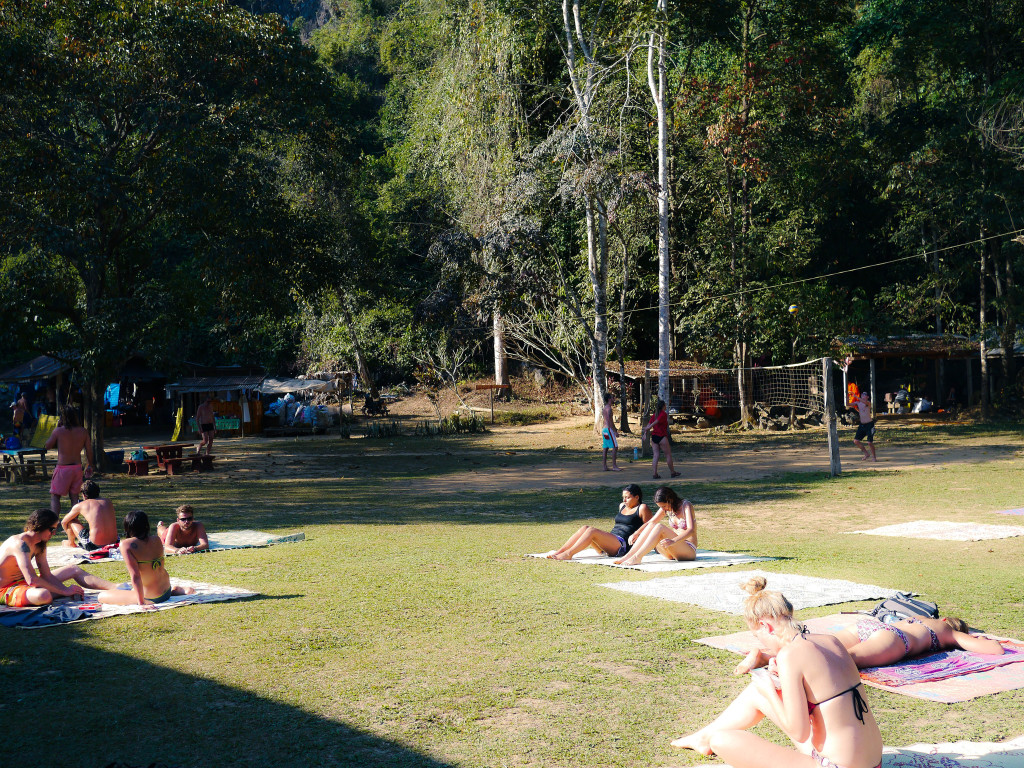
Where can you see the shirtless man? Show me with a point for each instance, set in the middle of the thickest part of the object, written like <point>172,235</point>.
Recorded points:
<point>19,416</point>
<point>20,585</point>
<point>99,527</point>
<point>185,535</point>
<point>207,423</point>
<point>866,428</point>
<point>70,440</point>
<point>610,436</point>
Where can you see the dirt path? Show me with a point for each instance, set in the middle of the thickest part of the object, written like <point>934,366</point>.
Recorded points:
<point>716,465</point>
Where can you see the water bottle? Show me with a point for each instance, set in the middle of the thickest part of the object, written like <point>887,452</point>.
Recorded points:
<point>636,454</point>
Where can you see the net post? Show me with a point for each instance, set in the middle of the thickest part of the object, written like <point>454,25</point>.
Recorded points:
<point>835,467</point>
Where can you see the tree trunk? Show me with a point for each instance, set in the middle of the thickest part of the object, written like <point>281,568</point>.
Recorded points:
<point>357,349</point>
<point>623,405</point>
<point>500,358</point>
<point>658,95</point>
<point>1008,337</point>
<point>983,329</point>
<point>597,262</point>
<point>93,414</point>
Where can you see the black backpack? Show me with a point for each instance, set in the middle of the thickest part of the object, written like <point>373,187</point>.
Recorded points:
<point>903,606</point>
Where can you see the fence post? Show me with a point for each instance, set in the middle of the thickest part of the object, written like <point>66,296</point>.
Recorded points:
<point>835,467</point>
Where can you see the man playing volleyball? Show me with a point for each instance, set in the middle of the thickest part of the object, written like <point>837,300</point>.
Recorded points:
<point>866,428</point>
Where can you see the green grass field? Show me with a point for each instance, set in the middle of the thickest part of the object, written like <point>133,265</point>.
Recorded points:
<point>409,630</point>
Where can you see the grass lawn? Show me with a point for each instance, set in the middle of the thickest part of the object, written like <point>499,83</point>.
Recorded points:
<point>409,630</point>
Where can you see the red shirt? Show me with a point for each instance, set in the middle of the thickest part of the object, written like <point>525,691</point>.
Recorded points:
<point>660,424</point>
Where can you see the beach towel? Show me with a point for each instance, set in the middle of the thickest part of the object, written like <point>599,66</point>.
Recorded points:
<point>90,609</point>
<point>658,563</point>
<point>942,665</point>
<point>962,687</point>
<point>1011,511</point>
<point>947,531</point>
<point>58,556</point>
<point>958,754</point>
<point>721,591</point>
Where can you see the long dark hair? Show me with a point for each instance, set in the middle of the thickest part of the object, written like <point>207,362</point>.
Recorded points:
<point>136,525</point>
<point>635,490</point>
<point>666,495</point>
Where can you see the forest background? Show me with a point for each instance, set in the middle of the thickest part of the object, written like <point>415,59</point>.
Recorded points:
<point>400,187</point>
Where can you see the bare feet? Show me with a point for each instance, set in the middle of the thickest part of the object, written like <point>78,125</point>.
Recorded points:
<point>161,529</point>
<point>698,742</point>
<point>561,556</point>
<point>68,543</point>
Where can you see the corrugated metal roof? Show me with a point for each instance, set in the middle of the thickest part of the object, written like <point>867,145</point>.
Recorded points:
<point>214,383</point>
<point>42,367</point>
<point>281,386</point>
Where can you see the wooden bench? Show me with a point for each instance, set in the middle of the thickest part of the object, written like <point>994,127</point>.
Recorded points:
<point>172,464</point>
<point>137,466</point>
<point>201,463</point>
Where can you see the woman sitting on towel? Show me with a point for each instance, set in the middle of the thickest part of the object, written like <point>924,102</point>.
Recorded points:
<point>144,557</point>
<point>811,690</point>
<point>672,530</point>
<point>873,643</point>
<point>633,513</point>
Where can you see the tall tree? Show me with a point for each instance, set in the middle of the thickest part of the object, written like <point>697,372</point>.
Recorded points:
<point>137,139</point>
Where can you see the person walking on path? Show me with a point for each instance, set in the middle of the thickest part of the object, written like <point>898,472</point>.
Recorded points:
<point>866,430</point>
<point>610,435</point>
<point>658,427</point>
<point>207,425</point>
<point>70,439</point>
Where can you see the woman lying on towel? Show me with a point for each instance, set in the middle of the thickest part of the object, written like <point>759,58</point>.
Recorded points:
<point>144,557</point>
<point>633,513</point>
<point>873,643</point>
<point>672,530</point>
<point>811,690</point>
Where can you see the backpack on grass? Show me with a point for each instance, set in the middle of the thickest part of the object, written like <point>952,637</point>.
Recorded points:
<point>902,606</point>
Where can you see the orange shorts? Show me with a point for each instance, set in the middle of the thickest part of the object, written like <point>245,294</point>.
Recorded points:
<point>14,594</point>
<point>66,480</point>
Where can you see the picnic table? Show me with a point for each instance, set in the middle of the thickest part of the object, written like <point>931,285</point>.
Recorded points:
<point>169,456</point>
<point>17,462</point>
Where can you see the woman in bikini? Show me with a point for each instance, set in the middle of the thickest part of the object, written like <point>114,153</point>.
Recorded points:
<point>143,555</point>
<point>658,427</point>
<point>672,530</point>
<point>873,643</point>
<point>811,690</point>
<point>633,513</point>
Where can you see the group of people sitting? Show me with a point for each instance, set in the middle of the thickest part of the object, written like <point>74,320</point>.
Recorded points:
<point>91,525</point>
<point>672,530</point>
<point>807,684</point>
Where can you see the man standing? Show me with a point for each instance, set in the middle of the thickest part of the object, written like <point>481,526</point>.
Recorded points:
<point>206,422</point>
<point>610,437</point>
<point>866,428</point>
<point>70,440</point>
<point>90,524</point>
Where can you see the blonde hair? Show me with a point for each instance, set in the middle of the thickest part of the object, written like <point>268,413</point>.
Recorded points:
<point>766,604</point>
<point>957,625</point>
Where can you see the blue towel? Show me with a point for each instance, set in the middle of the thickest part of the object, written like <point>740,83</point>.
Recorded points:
<point>43,615</point>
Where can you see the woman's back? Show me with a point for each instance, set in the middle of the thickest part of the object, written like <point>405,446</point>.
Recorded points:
<point>842,726</point>
<point>149,554</point>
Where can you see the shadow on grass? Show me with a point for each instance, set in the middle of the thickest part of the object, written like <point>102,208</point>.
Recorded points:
<point>96,707</point>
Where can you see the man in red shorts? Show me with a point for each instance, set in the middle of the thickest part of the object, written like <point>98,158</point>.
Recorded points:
<point>70,440</point>
<point>20,585</point>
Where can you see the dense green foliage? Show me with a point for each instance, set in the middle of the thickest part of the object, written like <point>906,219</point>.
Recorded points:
<point>192,181</point>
